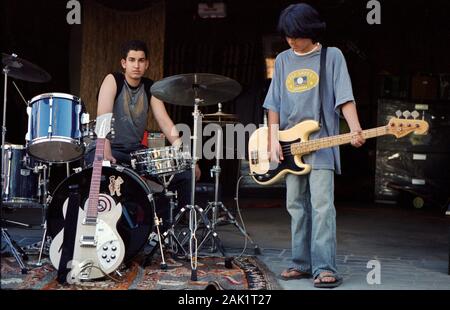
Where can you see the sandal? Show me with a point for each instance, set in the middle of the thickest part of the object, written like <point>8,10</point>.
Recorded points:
<point>293,274</point>
<point>324,284</point>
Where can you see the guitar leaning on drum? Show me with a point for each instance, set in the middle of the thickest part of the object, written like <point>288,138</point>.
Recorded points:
<point>98,249</point>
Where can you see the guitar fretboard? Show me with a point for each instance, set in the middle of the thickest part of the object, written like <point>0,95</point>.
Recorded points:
<point>91,214</point>
<point>317,144</point>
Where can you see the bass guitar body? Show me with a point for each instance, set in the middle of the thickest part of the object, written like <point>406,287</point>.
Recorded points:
<point>265,172</point>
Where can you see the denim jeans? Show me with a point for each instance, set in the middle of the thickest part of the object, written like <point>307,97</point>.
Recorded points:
<point>310,202</point>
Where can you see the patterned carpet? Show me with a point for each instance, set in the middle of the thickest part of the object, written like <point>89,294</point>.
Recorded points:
<point>247,273</point>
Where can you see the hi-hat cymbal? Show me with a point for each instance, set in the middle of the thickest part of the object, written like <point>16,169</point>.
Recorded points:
<point>220,122</point>
<point>220,115</point>
<point>220,118</point>
<point>22,69</point>
<point>183,89</point>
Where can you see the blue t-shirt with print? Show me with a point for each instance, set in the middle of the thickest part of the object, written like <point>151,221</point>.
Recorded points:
<point>294,94</point>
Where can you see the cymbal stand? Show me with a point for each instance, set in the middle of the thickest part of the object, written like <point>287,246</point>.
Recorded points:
<point>15,249</point>
<point>5,93</point>
<point>192,208</point>
<point>215,205</point>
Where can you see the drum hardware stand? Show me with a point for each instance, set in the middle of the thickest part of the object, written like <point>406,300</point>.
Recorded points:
<point>15,249</point>
<point>46,201</point>
<point>173,241</point>
<point>20,93</point>
<point>5,94</point>
<point>192,208</point>
<point>158,223</point>
<point>216,204</point>
<point>16,223</point>
<point>212,88</point>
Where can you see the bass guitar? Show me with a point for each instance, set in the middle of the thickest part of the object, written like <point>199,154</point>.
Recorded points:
<point>295,143</point>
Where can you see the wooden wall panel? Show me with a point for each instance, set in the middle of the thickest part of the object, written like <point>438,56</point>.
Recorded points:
<point>104,30</point>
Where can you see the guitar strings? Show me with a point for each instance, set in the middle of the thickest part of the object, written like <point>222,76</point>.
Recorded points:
<point>322,140</point>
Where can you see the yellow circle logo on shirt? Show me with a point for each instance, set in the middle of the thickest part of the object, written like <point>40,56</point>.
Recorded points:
<point>301,80</point>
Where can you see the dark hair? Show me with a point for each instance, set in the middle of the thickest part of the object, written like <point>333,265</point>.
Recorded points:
<point>133,45</point>
<point>301,21</point>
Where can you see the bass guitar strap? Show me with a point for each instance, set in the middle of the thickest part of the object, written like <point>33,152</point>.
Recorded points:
<point>322,87</point>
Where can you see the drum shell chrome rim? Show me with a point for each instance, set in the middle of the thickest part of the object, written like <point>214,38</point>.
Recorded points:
<point>9,146</point>
<point>21,201</point>
<point>55,95</point>
<point>74,143</point>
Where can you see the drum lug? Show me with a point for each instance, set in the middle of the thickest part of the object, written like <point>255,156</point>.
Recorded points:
<point>27,135</point>
<point>50,122</point>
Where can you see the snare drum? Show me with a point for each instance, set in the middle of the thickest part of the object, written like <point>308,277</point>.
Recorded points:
<point>160,161</point>
<point>54,122</point>
<point>21,186</point>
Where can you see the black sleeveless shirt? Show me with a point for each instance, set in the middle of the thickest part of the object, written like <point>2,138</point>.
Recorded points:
<point>130,111</point>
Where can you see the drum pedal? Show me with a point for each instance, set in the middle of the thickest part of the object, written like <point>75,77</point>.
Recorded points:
<point>150,248</point>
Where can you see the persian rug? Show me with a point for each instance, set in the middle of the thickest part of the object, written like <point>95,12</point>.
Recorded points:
<point>246,273</point>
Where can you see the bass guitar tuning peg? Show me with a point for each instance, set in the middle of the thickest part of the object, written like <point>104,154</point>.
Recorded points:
<point>415,114</point>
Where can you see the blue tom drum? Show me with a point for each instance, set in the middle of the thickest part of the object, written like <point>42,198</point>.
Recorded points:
<point>54,122</point>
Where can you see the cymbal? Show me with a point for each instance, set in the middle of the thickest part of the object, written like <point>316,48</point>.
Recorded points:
<point>22,69</point>
<point>220,115</point>
<point>220,122</point>
<point>183,89</point>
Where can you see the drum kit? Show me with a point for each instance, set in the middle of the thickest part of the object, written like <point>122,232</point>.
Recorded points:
<point>59,130</point>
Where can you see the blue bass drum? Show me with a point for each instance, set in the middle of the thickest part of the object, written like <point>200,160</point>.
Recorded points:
<point>54,122</point>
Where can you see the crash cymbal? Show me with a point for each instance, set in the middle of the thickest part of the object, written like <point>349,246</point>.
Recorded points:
<point>183,89</point>
<point>22,69</point>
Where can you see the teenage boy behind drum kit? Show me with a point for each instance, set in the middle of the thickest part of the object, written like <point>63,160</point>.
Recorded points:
<point>127,95</point>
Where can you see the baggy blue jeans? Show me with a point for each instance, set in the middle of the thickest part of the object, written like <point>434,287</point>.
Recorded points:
<point>310,202</point>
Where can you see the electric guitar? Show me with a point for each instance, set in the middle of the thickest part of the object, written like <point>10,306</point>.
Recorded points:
<point>98,249</point>
<point>294,143</point>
